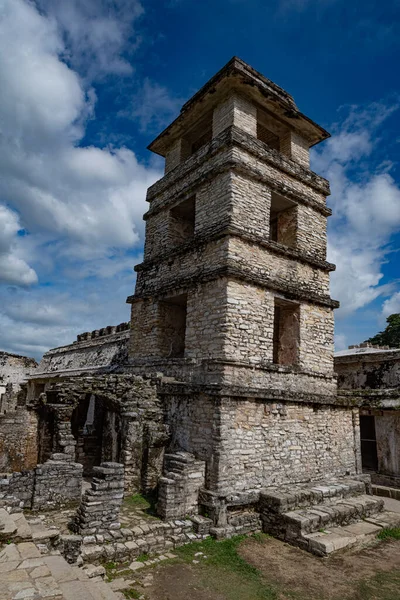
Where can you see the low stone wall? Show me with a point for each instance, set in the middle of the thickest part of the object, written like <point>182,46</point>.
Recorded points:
<point>58,482</point>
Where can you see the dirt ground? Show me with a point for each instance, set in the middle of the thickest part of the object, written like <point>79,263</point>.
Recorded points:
<point>284,573</point>
<point>331,578</point>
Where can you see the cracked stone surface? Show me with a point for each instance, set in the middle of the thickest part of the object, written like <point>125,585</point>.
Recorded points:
<point>26,573</point>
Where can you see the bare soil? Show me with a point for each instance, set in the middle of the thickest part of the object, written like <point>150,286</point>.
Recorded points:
<point>288,574</point>
<point>335,578</point>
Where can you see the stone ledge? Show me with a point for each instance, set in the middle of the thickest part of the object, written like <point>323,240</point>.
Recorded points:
<point>226,230</point>
<point>291,292</point>
<point>234,136</point>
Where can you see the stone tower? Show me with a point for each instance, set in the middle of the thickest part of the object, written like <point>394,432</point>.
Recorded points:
<point>232,299</point>
<point>234,287</point>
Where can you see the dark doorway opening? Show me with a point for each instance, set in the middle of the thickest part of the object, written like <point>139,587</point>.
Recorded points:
<point>369,454</point>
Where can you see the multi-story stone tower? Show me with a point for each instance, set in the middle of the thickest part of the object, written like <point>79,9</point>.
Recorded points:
<point>232,299</point>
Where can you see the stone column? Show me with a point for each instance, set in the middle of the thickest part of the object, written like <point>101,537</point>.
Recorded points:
<point>99,509</point>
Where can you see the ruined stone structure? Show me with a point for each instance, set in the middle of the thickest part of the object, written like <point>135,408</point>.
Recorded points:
<point>221,396</point>
<point>369,377</point>
<point>232,299</point>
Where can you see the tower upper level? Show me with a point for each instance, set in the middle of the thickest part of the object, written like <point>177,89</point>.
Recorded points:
<point>241,97</point>
<point>234,281</point>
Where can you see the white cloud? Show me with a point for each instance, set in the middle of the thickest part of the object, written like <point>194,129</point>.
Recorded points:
<point>13,268</point>
<point>97,33</point>
<point>80,207</point>
<point>391,305</point>
<point>366,206</point>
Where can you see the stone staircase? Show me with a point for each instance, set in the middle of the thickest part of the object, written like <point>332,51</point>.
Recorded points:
<point>325,516</point>
<point>15,527</point>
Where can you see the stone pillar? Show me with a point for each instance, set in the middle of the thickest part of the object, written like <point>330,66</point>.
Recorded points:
<point>131,450</point>
<point>178,494</point>
<point>99,509</point>
<point>297,148</point>
<point>64,441</point>
<point>237,111</point>
<point>176,154</point>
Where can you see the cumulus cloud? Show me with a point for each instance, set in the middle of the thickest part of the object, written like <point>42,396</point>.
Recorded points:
<point>98,33</point>
<point>68,211</point>
<point>366,206</point>
<point>13,268</point>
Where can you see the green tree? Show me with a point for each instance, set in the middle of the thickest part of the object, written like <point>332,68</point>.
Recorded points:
<point>391,335</point>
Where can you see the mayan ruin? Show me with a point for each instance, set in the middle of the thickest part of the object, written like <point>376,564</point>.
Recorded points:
<point>221,399</point>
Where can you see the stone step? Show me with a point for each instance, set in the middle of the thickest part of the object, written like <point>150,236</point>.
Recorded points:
<point>292,497</point>
<point>347,536</point>
<point>24,531</point>
<point>322,516</point>
<point>8,526</point>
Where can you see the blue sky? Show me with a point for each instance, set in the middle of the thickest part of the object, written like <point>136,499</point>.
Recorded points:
<point>85,85</point>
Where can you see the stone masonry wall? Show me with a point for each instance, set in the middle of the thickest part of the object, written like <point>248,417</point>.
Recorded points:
<point>238,111</point>
<point>18,440</point>
<point>374,370</point>
<point>265,443</point>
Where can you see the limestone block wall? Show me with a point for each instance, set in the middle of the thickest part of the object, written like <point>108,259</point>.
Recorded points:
<point>179,487</point>
<point>238,111</point>
<point>266,443</point>
<point>387,429</point>
<point>264,263</point>
<point>296,147</point>
<point>251,201</point>
<point>206,321</point>
<point>277,178</point>
<point>18,440</point>
<point>316,338</point>
<point>14,370</point>
<point>93,352</point>
<point>368,370</point>
<point>249,323</point>
<point>311,232</point>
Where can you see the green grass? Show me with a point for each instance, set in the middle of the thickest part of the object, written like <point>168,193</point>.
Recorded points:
<point>145,503</point>
<point>225,571</point>
<point>143,557</point>
<point>131,593</point>
<point>392,533</point>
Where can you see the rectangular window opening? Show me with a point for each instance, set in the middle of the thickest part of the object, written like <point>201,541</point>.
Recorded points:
<point>283,221</point>
<point>182,222</point>
<point>200,134</point>
<point>286,337</point>
<point>269,130</point>
<point>173,323</point>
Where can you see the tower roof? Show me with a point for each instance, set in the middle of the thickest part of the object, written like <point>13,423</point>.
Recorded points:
<point>238,76</point>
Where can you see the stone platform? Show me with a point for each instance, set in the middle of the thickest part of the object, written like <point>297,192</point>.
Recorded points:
<point>326,516</point>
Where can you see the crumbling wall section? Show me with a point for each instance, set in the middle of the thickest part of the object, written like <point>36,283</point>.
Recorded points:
<point>18,440</point>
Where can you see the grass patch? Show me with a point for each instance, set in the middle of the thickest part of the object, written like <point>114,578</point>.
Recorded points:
<point>145,503</point>
<point>131,593</point>
<point>389,533</point>
<point>225,571</point>
<point>143,557</point>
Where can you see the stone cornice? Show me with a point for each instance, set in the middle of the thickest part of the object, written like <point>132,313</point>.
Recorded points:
<point>222,230</point>
<point>388,398</point>
<point>290,291</point>
<point>240,392</point>
<point>234,137</point>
